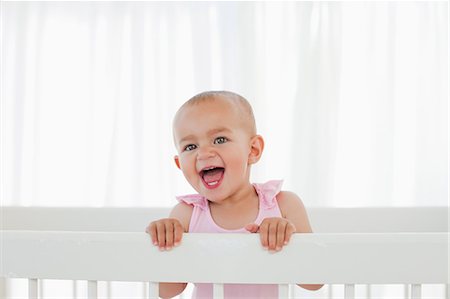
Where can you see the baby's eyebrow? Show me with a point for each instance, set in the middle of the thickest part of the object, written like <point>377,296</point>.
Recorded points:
<point>189,137</point>
<point>219,130</point>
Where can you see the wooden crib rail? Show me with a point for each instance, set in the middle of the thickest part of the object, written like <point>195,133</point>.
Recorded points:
<point>383,258</point>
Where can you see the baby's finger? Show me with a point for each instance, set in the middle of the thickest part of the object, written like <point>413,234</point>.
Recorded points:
<point>151,229</point>
<point>169,234</point>
<point>272,238</point>
<point>290,229</point>
<point>264,233</point>
<point>178,233</point>
<point>161,232</point>
<point>281,232</point>
<point>252,227</point>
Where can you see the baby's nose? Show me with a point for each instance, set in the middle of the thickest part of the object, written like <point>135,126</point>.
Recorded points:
<point>205,153</point>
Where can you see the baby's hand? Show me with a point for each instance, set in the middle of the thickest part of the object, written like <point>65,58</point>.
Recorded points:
<point>274,232</point>
<point>165,233</point>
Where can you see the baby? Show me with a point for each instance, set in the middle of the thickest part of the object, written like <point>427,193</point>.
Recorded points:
<point>216,140</point>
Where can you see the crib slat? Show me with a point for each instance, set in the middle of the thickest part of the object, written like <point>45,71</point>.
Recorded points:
<point>2,287</point>
<point>416,291</point>
<point>74,289</point>
<point>218,291</point>
<point>32,288</point>
<point>292,289</point>
<point>283,291</point>
<point>153,290</point>
<point>330,291</point>
<point>349,291</point>
<point>145,287</point>
<point>369,291</point>
<point>92,289</point>
<point>406,291</point>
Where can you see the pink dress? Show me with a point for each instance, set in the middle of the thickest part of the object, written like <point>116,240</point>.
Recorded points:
<point>202,222</point>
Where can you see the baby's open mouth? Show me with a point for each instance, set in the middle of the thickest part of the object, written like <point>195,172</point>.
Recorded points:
<point>212,175</point>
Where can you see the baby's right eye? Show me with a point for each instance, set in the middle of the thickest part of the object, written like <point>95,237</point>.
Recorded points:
<point>190,147</point>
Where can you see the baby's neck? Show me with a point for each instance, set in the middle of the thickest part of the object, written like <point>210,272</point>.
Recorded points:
<point>238,210</point>
<point>244,194</point>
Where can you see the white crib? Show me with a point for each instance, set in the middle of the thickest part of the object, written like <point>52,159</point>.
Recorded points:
<point>350,247</point>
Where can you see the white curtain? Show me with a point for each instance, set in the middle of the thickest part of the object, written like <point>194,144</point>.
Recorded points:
<point>351,97</point>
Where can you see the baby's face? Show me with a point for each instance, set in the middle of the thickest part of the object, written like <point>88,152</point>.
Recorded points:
<point>214,146</point>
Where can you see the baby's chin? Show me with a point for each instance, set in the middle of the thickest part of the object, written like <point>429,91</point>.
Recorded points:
<point>211,196</point>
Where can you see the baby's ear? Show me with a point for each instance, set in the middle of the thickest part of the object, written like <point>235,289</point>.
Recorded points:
<point>177,161</point>
<point>256,149</point>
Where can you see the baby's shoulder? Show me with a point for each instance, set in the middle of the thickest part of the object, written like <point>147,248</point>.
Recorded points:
<point>288,196</point>
<point>183,212</point>
<point>182,207</point>
<point>292,208</point>
<point>289,201</point>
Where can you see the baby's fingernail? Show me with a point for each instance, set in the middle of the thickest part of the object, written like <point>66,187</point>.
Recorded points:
<point>285,242</point>
<point>176,244</point>
<point>168,248</point>
<point>278,248</point>
<point>162,248</point>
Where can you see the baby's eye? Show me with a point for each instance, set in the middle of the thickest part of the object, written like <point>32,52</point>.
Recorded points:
<point>220,140</point>
<point>190,147</point>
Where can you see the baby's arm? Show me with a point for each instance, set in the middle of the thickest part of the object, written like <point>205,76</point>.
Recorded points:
<point>165,234</point>
<point>276,232</point>
<point>292,209</point>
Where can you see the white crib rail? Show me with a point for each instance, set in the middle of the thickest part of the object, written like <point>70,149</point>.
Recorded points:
<point>26,261</point>
<point>377,258</point>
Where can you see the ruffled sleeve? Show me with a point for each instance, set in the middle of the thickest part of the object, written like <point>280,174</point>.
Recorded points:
<point>268,192</point>
<point>194,199</point>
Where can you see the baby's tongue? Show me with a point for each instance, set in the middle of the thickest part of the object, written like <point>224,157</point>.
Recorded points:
<point>213,175</point>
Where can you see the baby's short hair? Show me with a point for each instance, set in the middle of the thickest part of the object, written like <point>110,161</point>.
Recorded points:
<point>241,103</point>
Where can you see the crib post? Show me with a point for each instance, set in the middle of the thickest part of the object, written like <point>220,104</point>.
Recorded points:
<point>32,288</point>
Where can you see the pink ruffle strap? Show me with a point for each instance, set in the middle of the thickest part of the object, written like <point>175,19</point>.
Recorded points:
<point>194,199</point>
<point>268,192</point>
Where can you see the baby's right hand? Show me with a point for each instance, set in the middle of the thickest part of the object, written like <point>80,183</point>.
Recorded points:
<point>165,233</point>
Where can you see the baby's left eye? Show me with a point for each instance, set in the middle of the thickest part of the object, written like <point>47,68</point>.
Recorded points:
<point>220,140</point>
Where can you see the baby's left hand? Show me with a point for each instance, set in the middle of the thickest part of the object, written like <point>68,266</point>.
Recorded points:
<point>274,232</point>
